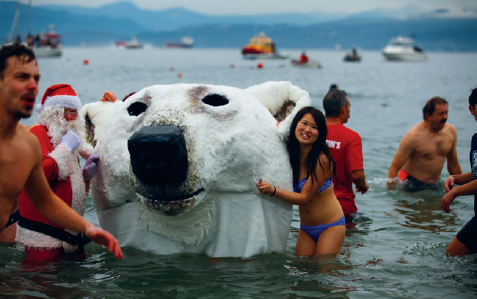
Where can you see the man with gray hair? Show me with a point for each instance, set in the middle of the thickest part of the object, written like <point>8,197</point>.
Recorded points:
<point>346,149</point>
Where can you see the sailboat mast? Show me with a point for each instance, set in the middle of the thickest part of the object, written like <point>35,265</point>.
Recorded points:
<point>29,17</point>
<point>15,23</point>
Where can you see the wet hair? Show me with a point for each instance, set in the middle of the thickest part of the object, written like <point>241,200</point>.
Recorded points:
<point>473,97</point>
<point>23,53</point>
<point>318,147</point>
<point>333,101</point>
<point>430,106</point>
<point>333,86</point>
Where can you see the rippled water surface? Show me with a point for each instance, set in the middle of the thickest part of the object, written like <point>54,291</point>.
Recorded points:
<point>395,248</point>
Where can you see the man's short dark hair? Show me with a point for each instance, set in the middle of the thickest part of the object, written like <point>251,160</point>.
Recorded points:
<point>473,97</point>
<point>23,53</point>
<point>333,101</point>
<point>430,106</point>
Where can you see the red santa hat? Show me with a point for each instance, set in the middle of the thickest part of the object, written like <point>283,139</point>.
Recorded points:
<point>60,95</point>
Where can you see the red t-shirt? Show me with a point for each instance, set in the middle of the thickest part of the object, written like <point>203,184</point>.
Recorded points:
<point>346,149</point>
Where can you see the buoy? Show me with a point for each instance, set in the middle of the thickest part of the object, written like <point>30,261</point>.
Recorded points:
<point>232,65</point>
<point>179,74</point>
<point>85,61</point>
<point>171,69</point>
<point>259,65</point>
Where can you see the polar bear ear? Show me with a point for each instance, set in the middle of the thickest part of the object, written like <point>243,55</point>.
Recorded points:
<point>283,100</point>
<point>94,116</point>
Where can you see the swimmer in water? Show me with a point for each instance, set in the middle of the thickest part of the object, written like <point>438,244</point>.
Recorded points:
<point>424,149</point>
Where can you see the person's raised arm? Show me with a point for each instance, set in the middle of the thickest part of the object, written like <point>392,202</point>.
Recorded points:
<point>403,153</point>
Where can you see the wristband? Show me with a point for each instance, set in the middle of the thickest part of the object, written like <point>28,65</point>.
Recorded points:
<point>274,191</point>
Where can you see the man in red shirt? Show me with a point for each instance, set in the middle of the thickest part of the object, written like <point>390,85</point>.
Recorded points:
<point>346,149</point>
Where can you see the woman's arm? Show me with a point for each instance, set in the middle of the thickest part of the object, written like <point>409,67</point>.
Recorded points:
<point>309,190</point>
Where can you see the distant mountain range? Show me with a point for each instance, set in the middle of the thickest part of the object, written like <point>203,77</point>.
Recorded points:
<point>122,20</point>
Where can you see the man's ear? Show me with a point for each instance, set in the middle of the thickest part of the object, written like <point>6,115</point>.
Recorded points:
<point>472,110</point>
<point>342,110</point>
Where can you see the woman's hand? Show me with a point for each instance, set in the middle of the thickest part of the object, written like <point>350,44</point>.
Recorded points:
<point>449,183</point>
<point>265,188</point>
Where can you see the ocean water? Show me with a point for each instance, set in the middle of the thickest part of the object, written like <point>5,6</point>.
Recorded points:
<point>396,246</point>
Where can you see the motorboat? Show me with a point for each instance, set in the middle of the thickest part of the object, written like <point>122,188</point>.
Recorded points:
<point>353,56</point>
<point>46,44</point>
<point>185,42</point>
<point>261,47</point>
<point>308,64</point>
<point>403,49</point>
<point>133,44</point>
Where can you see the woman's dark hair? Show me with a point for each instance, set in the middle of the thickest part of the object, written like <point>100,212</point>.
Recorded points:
<point>318,147</point>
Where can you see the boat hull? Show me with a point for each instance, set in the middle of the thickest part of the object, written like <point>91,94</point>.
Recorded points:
<point>264,56</point>
<point>47,52</point>
<point>352,58</point>
<point>309,64</point>
<point>173,45</point>
<point>413,57</point>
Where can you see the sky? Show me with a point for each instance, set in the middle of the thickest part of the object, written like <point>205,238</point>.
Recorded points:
<point>457,8</point>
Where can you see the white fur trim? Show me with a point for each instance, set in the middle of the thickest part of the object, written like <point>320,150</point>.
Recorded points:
<point>66,101</point>
<point>65,161</point>
<point>36,240</point>
<point>79,199</point>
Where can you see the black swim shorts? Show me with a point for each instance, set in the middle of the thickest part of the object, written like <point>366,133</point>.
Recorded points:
<point>468,235</point>
<point>411,184</point>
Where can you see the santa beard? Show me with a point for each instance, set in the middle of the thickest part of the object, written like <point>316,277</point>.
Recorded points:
<point>53,119</point>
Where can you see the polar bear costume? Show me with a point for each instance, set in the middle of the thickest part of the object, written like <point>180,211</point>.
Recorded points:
<point>177,167</point>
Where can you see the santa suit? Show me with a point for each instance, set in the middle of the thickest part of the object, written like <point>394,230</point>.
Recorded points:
<point>63,172</point>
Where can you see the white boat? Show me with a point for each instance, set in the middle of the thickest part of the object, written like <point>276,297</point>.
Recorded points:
<point>133,44</point>
<point>43,45</point>
<point>403,49</point>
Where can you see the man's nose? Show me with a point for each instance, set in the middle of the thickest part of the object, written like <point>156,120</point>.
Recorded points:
<point>32,84</point>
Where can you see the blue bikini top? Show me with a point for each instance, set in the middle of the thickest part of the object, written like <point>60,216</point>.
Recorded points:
<point>297,187</point>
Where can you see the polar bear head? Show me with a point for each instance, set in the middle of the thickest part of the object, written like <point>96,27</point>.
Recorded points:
<point>176,151</point>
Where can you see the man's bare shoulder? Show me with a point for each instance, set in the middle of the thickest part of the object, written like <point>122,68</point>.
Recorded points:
<point>416,131</point>
<point>25,137</point>
<point>450,129</point>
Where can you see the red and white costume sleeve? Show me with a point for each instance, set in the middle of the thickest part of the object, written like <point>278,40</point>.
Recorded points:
<point>63,172</point>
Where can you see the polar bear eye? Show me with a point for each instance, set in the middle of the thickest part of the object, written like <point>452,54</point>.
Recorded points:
<point>137,108</point>
<point>215,100</point>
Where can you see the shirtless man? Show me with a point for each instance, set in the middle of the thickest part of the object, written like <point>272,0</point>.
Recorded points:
<point>20,153</point>
<point>424,149</point>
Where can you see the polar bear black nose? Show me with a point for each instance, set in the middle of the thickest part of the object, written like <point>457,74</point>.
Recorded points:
<point>159,154</point>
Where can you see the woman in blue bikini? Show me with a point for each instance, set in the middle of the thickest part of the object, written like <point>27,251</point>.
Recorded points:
<point>322,223</point>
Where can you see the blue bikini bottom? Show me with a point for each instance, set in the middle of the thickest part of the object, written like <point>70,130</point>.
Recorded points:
<point>315,231</point>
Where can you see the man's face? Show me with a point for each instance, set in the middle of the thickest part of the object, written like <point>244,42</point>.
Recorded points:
<point>438,119</point>
<point>70,114</point>
<point>19,86</point>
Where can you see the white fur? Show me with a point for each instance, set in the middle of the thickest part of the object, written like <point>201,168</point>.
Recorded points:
<point>226,146</point>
